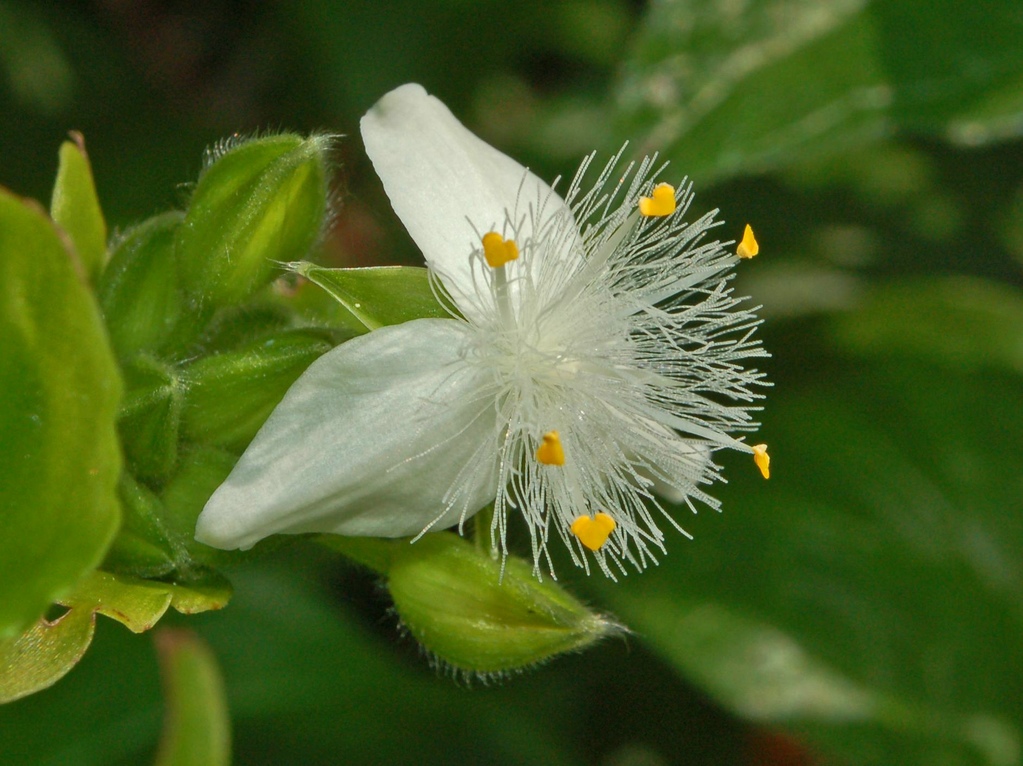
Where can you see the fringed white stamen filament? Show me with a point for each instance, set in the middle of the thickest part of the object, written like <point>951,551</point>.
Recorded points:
<point>618,333</point>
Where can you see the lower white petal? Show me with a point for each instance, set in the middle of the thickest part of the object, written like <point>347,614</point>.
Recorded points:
<point>368,441</point>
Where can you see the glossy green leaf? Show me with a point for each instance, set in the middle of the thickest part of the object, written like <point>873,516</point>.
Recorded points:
<point>75,206</point>
<point>721,92</point>
<point>59,449</point>
<point>378,296</point>
<point>258,203</point>
<point>197,725</point>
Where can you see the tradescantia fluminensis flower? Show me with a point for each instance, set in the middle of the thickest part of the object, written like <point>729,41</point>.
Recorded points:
<point>592,361</point>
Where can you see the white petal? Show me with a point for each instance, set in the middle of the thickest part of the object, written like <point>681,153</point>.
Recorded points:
<point>447,186</point>
<point>367,442</point>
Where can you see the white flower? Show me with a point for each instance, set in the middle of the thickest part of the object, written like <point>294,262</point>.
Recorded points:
<point>594,355</point>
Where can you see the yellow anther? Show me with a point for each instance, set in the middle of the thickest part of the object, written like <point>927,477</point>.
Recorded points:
<point>660,203</point>
<point>762,459</point>
<point>748,247</point>
<point>593,533</point>
<point>498,250</point>
<point>550,451</point>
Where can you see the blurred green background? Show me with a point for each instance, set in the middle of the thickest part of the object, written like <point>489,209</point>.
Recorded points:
<point>865,606</point>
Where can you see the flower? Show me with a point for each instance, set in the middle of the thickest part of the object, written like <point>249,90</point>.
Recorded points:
<point>592,361</point>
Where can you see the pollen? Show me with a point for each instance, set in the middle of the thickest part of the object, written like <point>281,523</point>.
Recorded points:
<point>593,533</point>
<point>550,451</point>
<point>748,247</point>
<point>660,203</point>
<point>498,251</point>
<point>762,459</point>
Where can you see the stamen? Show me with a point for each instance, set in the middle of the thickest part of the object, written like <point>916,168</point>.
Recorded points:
<point>593,533</point>
<point>498,250</point>
<point>762,459</point>
<point>550,452</point>
<point>748,247</point>
<point>660,203</point>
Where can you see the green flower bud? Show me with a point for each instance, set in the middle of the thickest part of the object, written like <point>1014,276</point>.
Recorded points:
<point>200,471</point>
<point>150,418</point>
<point>453,598</point>
<point>131,554</point>
<point>138,290</point>
<point>258,202</point>
<point>230,395</point>
<point>75,206</point>
<point>142,547</point>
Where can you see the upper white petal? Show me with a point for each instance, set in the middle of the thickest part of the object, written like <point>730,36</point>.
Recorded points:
<point>448,186</point>
<point>368,441</point>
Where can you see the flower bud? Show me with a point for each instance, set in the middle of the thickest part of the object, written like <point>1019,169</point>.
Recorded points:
<point>200,471</point>
<point>258,202</point>
<point>455,601</point>
<point>150,418</point>
<point>75,206</point>
<point>230,395</point>
<point>138,290</point>
<point>142,547</point>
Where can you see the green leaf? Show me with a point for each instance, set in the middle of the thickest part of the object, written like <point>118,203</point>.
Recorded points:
<point>139,604</point>
<point>46,652</point>
<point>257,203</point>
<point>721,93</point>
<point>377,296</point>
<point>307,682</point>
<point>75,206</point>
<point>197,726</point>
<point>769,677</point>
<point>59,450</point>
<point>961,322</point>
<point>953,69</point>
<point>869,596</point>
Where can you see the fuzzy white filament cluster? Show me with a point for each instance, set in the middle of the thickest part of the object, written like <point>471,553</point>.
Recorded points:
<point>615,331</point>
